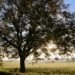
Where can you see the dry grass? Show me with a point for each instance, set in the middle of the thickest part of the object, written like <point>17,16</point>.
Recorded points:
<point>40,68</point>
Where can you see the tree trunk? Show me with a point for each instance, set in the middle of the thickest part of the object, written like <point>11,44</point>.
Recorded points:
<point>22,65</point>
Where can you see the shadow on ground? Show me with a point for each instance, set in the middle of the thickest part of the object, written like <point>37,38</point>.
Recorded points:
<point>39,71</point>
<point>5,73</point>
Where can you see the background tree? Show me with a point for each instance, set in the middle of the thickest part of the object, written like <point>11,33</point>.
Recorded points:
<point>28,24</point>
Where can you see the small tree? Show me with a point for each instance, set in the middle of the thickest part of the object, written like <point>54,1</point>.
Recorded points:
<point>27,24</point>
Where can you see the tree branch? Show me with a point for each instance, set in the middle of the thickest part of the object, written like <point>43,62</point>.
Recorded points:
<point>9,41</point>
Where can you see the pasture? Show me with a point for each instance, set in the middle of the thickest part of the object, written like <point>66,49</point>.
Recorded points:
<point>54,68</point>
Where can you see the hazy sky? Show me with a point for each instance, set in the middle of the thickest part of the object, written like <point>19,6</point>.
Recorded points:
<point>72,5</point>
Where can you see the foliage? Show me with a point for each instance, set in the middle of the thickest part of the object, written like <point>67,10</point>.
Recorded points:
<point>66,41</point>
<point>28,24</point>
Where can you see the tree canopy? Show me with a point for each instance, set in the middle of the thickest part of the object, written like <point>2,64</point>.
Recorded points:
<point>28,24</point>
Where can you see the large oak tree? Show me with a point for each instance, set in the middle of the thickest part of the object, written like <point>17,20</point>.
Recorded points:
<point>28,24</point>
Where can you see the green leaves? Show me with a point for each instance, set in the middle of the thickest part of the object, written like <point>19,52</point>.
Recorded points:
<point>36,18</point>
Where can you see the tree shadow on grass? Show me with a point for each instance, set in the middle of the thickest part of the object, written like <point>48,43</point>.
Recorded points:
<point>8,71</point>
<point>41,71</point>
<point>5,73</point>
<point>51,71</point>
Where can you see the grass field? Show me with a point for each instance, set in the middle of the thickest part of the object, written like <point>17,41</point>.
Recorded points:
<point>39,68</point>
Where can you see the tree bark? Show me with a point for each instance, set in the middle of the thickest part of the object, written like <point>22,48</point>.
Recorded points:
<point>22,65</point>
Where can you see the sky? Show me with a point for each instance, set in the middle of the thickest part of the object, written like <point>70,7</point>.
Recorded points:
<point>72,5</point>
